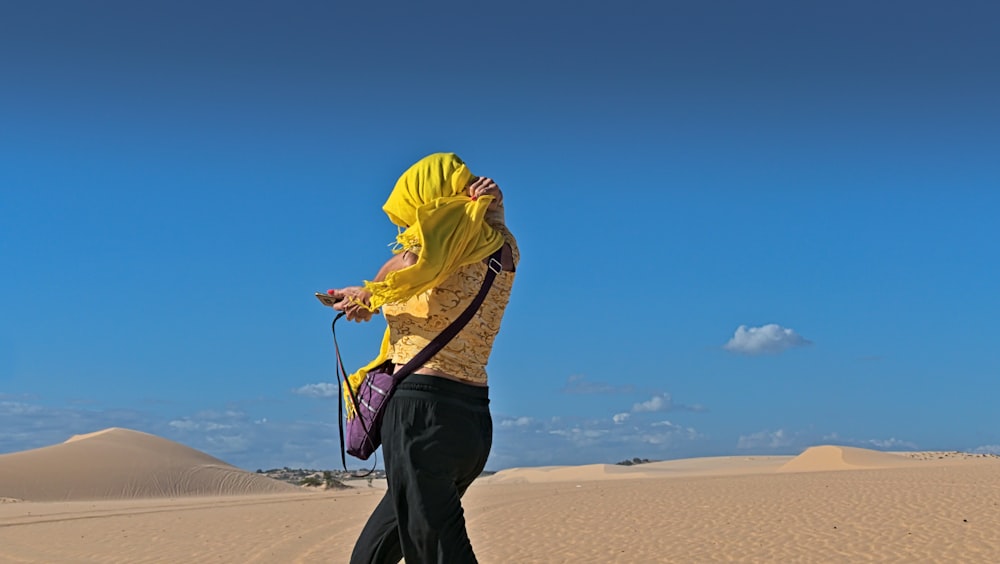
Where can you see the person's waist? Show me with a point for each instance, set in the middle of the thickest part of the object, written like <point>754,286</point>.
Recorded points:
<point>465,368</point>
<point>444,387</point>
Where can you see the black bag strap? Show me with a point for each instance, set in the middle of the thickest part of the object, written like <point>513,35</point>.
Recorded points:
<point>494,266</point>
<point>339,370</point>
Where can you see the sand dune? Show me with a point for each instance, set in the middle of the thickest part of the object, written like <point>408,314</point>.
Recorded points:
<point>829,458</point>
<point>709,466</point>
<point>829,504</point>
<point>815,459</point>
<point>123,464</point>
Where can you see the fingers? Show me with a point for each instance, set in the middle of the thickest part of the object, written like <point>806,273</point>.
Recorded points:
<point>353,301</point>
<point>338,296</point>
<point>481,185</point>
<point>357,312</point>
<point>484,186</point>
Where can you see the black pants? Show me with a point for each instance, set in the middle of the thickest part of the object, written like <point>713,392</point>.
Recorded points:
<point>436,437</point>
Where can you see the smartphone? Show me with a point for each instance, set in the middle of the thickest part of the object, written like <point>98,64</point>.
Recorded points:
<point>326,299</point>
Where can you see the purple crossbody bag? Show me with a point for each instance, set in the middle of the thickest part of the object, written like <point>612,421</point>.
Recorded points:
<point>364,430</point>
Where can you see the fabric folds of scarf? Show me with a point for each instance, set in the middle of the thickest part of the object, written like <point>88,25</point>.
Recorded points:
<point>445,225</point>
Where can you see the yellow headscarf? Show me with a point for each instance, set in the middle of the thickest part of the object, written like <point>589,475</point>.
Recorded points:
<point>429,204</point>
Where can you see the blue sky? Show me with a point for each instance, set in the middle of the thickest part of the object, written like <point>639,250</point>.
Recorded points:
<point>746,228</point>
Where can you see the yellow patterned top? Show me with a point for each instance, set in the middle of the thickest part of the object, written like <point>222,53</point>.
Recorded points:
<point>413,324</point>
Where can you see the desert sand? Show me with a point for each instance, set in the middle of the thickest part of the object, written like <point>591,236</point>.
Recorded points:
<point>123,496</point>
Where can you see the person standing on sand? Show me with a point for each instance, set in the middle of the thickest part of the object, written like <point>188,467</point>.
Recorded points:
<point>437,431</point>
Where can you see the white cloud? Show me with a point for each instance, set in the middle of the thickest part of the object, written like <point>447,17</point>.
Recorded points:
<point>579,436</point>
<point>668,424</point>
<point>669,432</point>
<point>765,440</point>
<point>229,444</point>
<point>579,384</point>
<point>669,437</point>
<point>575,440</point>
<point>891,443</point>
<point>187,424</point>
<point>882,444</point>
<point>771,338</point>
<point>14,408</point>
<point>184,425</point>
<point>320,390</point>
<point>987,449</point>
<point>517,422</point>
<point>659,403</point>
<point>653,404</point>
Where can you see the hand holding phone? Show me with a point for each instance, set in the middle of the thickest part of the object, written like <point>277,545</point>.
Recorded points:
<point>327,299</point>
<point>351,300</point>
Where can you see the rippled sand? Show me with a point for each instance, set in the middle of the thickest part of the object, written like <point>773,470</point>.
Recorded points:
<point>829,504</point>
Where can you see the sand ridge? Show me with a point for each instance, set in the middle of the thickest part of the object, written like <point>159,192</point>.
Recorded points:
<point>827,458</point>
<point>121,463</point>
<point>709,466</point>
<point>824,458</point>
<point>828,504</point>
